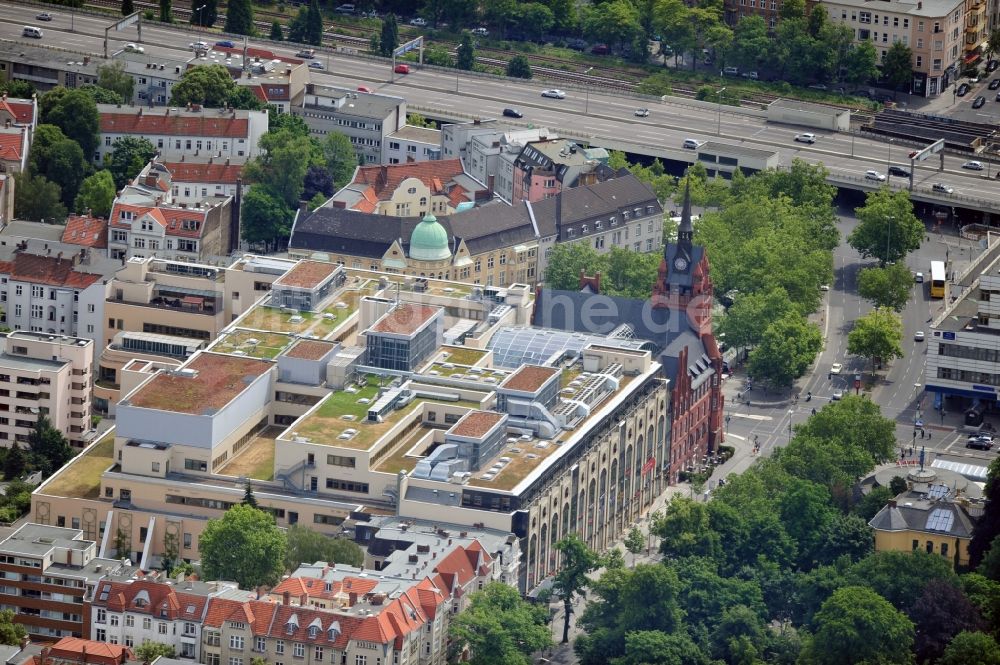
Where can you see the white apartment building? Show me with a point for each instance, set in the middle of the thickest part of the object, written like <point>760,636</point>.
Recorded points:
<point>412,144</point>
<point>933,29</point>
<point>44,374</point>
<point>176,132</point>
<point>54,288</point>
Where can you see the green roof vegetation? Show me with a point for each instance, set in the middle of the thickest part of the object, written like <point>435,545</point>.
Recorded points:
<point>81,478</point>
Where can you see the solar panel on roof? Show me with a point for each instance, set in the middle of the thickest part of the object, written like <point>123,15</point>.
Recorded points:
<point>940,519</point>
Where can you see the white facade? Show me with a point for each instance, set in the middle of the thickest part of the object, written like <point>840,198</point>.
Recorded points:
<point>176,132</point>
<point>45,374</point>
<point>412,144</point>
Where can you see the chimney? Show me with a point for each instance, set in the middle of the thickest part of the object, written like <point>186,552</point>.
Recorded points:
<point>150,180</point>
<point>86,60</point>
<point>304,207</point>
<point>286,598</point>
<point>352,599</point>
<point>892,503</point>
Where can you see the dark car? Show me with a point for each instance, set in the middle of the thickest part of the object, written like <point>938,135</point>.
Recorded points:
<point>600,49</point>
<point>512,113</point>
<point>994,84</point>
<point>992,65</point>
<point>962,90</point>
<point>577,44</point>
<point>978,102</point>
<point>899,171</point>
<point>225,43</point>
<point>979,443</point>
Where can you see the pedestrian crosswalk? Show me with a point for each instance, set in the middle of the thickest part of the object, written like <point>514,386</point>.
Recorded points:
<point>751,416</point>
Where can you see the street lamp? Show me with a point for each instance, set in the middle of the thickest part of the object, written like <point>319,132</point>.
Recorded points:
<point>718,97</point>
<point>888,236</point>
<point>888,158</point>
<point>197,16</point>
<point>586,107</point>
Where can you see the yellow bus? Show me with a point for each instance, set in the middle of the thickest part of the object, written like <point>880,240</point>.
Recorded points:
<point>937,279</point>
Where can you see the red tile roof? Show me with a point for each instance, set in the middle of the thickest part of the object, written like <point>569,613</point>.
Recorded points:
<point>11,144</point>
<point>214,172</point>
<point>386,178</point>
<point>86,231</point>
<point>158,596</point>
<point>171,218</point>
<point>206,123</point>
<point>49,270</point>
<point>405,319</point>
<point>89,651</point>
<point>23,110</point>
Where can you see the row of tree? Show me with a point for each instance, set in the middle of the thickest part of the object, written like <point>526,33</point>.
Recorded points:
<point>779,567</point>
<point>293,166</point>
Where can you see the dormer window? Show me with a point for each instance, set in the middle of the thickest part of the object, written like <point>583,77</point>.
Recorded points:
<point>613,221</point>
<point>313,632</point>
<point>583,229</point>
<point>599,225</point>
<point>292,625</point>
<point>625,214</point>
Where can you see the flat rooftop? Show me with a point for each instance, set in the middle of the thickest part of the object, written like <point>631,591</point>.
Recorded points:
<point>81,477</point>
<point>307,349</point>
<point>37,540</point>
<point>529,378</point>
<point>206,384</point>
<point>307,274</point>
<point>475,424</point>
<point>405,319</point>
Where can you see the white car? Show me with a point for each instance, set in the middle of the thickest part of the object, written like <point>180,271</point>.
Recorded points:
<point>943,188</point>
<point>872,174</point>
<point>973,165</point>
<point>419,22</point>
<point>554,93</point>
<point>837,395</point>
<point>836,368</point>
<point>918,336</point>
<point>642,113</point>
<point>198,46</point>
<point>807,137</point>
<point>824,287</point>
<point>134,48</point>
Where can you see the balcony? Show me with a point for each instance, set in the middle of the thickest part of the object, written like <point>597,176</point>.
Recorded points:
<point>188,304</point>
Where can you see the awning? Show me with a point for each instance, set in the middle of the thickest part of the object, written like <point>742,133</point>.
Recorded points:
<point>193,292</point>
<point>971,58</point>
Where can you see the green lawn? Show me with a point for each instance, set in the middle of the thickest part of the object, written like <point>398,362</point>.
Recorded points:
<point>459,355</point>
<point>82,477</point>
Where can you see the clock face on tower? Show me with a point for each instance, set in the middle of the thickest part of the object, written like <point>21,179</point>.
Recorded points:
<point>680,263</point>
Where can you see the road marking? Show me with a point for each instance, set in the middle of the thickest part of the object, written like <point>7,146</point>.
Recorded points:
<point>736,436</point>
<point>751,416</point>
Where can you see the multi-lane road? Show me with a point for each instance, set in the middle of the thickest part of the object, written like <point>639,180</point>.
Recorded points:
<point>594,113</point>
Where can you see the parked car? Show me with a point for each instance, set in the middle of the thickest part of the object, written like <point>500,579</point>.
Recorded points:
<point>973,165</point>
<point>512,113</point>
<point>994,84</point>
<point>419,22</point>
<point>198,46</point>
<point>577,44</point>
<point>918,336</point>
<point>642,113</point>
<point>44,16</point>
<point>978,102</point>
<point>806,137</point>
<point>943,188</point>
<point>347,8</point>
<point>899,171</point>
<point>306,53</point>
<point>401,69</point>
<point>962,90</point>
<point>979,443</point>
<point>997,98</point>
<point>133,48</point>
<point>225,43</point>
<point>731,71</point>
<point>600,49</point>
<point>554,93</point>
<point>315,65</point>
<point>481,32</point>
<point>992,65</point>
<point>872,174</point>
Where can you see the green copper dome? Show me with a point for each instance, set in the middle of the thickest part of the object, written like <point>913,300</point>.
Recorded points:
<point>429,241</point>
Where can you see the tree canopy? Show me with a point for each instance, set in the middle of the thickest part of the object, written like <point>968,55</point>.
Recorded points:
<point>97,194</point>
<point>244,545</point>
<point>501,628</point>
<point>877,335</point>
<point>887,229</point>
<point>308,546</point>
<point>887,287</point>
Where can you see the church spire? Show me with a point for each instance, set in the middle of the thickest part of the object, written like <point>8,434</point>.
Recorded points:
<point>685,232</point>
